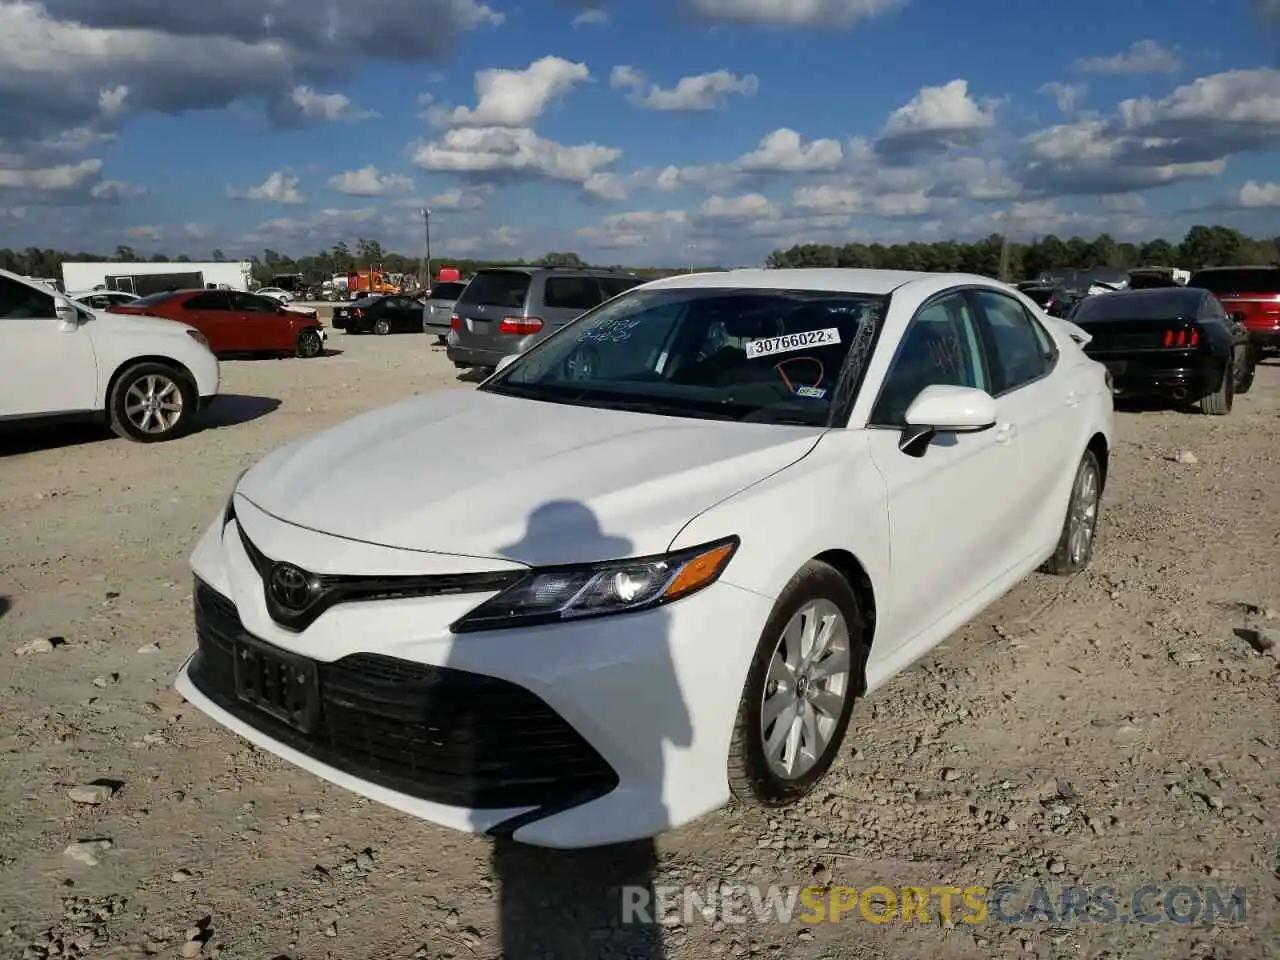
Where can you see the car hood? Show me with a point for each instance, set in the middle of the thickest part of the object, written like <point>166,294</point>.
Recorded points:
<point>482,475</point>
<point>134,323</point>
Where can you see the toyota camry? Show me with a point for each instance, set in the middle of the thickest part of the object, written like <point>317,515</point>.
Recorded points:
<point>666,550</point>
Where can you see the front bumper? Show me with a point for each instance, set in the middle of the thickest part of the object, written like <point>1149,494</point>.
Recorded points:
<point>632,714</point>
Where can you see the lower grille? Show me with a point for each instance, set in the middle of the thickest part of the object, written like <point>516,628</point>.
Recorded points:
<point>443,735</point>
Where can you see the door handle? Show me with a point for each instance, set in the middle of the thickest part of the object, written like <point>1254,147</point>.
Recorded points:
<point>1006,432</point>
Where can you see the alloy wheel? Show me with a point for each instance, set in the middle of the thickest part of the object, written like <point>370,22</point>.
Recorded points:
<point>1084,512</point>
<point>153,404</point>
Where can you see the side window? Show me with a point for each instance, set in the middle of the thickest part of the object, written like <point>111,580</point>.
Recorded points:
<point>940,348</point>
<point>571,293</point>
<point>207,301</point>
<point>19,302</point>
<point>248,303</point>
<point>1024,351</point>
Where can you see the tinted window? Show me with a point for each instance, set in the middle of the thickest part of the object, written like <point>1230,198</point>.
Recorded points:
<point>213,300</point>
<point>1227,282</point>
<point>1151,281</point>
<point>1166,304</point>
<point>497,288</point>
<point>364,303</point>
<point>758,355</point>
<point>1019,346</point>
<point>249,303</point>
<point>571,293</point>
<point>18,301</point>
<point>1040,295</point>
<point>447,291</point>
<point>941,348</point>
<point>612,286</point>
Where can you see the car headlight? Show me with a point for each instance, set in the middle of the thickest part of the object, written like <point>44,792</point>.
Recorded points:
<point>557,594</point>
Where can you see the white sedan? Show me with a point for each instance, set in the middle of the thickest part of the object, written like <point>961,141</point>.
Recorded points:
<point>676,541</point>
<point>275,293</point>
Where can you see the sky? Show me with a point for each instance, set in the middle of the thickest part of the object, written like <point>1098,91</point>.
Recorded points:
<point>643,132</point>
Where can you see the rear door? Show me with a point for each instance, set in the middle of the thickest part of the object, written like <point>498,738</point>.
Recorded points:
<point>1254,292</point>
<point>490,296</point>
<point>210,313</point>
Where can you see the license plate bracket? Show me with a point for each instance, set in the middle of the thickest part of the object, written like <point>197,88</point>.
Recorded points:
<point>280,684</point>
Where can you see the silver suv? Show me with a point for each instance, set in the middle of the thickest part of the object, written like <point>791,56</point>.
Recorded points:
<point>506,310</point>
<point>438,307</point>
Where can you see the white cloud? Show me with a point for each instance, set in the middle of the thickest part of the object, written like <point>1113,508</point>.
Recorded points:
<point>937,118</point>
<point>1258,196</point>
<point>705,91</point>
<point>794,13</point>
<point>833,199</point>
<point>368,182</point>
<point>517,98</point>
<point>151,233</point>
<point>280,187</point>
<point>1143,56</point>
<point>748,206</point>
<point>330,107</point>
<point>66,176</point>
<point>636,228</point>
<point>784,151</point>
<point>499,151</point>
<point>1066,95</point>
<point>1123,202</point>
<point>592,17</point>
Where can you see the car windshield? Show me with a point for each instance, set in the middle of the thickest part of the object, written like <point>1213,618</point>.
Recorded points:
<point>767,356</point>
<point>1161,304</point>
<point>153,300</point>
<point>1228,282</point>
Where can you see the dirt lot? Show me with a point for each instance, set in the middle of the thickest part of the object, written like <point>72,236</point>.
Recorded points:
<point>1116,729</point>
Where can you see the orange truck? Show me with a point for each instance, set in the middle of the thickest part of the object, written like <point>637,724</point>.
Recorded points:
<point>370,281</point>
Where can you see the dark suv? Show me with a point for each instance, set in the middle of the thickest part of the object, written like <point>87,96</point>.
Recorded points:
<point>506,310</point>
<point>1251,292</point>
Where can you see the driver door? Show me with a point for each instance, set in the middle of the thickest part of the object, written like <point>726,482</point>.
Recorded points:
<point>260,325</point>
<point>950,528</point>
<point>44,369</point>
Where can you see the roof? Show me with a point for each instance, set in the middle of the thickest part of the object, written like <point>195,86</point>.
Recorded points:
<point>532,268</point>
<point>1243,266</point>
<point>835,279</point>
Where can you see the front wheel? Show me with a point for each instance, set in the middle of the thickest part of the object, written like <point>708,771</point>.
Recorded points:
<point>1075,545</point>
<point>801,686</point>
<point>150,402</point>
<point>382,328</point>
<point>309,343</point>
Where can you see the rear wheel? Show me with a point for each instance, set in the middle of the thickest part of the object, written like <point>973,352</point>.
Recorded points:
<point>150,402</point>
<point>1248,364</point>
<point>1075,545</point>
<point>382,327</point>
<point>1220,402</point>
<point>801,686</point>
<point>309,343</point>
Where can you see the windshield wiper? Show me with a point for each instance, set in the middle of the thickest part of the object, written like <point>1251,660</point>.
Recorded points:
<point>656,407</point>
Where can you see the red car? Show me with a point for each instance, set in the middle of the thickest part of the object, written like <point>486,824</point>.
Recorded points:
<point>1252,292</point>
<point>235,322</point>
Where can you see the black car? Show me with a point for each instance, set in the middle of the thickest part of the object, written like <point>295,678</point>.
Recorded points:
<point>380,315</point>
<point>1174,342</point>
<point>1049,297</point>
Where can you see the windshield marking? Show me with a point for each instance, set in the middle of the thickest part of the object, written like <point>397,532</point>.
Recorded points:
<point>790,342</point>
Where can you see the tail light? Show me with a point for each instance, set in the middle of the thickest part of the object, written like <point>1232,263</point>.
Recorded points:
<point>1184,339</point>
<point>455,322</point>
<point>520,326</point>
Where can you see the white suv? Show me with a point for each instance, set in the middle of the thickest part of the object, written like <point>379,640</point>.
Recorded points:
<point>144,376</point>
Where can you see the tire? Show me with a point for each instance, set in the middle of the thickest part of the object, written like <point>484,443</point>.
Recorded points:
<point>154,386</point>
<point>1220,402</point>
<point>1245,380</point>
<point>309,343</point>
<point>1073,555</point>
<point>381,327</point>
<point>818,590</point>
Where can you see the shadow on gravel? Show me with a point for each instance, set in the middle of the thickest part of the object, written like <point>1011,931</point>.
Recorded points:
<point>263,357</point>
<point>1153,405</point>
<point>233,409</point>
<point>473,375</point>
<point>4,606</point>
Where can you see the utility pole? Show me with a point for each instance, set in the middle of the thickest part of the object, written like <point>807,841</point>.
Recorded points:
<point>426,227</point>
<point>1004,259</point>
<point>691,254</point>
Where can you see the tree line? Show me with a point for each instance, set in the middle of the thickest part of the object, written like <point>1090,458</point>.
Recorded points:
<point>1203,246</point>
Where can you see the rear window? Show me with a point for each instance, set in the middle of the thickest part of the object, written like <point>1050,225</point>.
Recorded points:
<point>153,300</point>
<point>1227,282</point>
<point>447,291</point>
<point>612,286</point>
<point>497,288</point>
<point>1167,304</point>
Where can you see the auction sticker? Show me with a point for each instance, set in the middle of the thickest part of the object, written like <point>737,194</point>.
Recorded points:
<point>791,342</point>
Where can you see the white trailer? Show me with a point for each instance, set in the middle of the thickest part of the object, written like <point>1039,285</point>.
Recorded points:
<point>145,278</point>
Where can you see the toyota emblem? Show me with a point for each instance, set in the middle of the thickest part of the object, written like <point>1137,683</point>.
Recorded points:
<point>290,587</point>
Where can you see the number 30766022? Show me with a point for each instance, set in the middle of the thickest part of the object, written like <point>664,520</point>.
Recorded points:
<point>791,341</point>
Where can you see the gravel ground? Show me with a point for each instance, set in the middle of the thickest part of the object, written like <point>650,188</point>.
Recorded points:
<point>1118,728</point>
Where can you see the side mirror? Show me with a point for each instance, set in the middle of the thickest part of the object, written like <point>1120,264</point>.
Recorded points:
<point>945,409</point>
<point>505,362</point>
<point>66,312</point>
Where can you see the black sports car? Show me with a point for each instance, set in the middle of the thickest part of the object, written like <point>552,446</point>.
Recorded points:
<point>381,315</point>
<point>1175,342</point>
